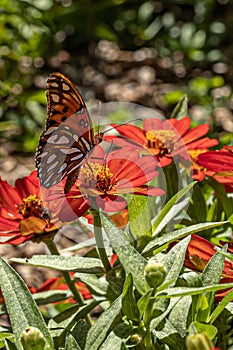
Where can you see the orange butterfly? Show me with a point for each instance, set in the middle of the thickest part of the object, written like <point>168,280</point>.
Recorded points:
<point>68,136</point>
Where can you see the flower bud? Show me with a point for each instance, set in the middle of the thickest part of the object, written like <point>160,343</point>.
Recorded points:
<point>32,338</point>
<point>155,272</point>
<point>199,341</point>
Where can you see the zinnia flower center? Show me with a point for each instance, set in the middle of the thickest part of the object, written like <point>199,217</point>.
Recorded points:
<point>32,206</point>
<point>194,153</point>
<point>160,142</point>
<point>97,176</point>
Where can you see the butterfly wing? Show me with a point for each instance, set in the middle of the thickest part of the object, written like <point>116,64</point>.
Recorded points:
<point>68,135</point>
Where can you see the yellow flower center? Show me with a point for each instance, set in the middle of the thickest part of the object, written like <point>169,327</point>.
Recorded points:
<point>160,142</point>
<point>195,153</point>
<point>97,176</point>
<point>32,206</point>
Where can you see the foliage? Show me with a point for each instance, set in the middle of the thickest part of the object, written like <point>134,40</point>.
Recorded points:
<point>159,284</point>
<point>190,41</point>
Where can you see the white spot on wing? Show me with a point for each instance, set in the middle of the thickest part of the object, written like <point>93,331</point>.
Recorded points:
<point>55,98</point>
<point>86,143</point>
<point>51,158</point>
<point>68,150</point>
<point>62,168</point>
<point>52,166</point>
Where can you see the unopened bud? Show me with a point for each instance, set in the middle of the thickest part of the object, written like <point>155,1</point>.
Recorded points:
<point>32,339</point>
<point>199,341</point>
<point>135,339</point>
<point>155,272</point>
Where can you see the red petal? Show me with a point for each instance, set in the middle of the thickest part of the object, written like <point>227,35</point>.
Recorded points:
<point>182,125</point>
<point>196,133</point>
<point>111,203</point>
<point>131,132</point>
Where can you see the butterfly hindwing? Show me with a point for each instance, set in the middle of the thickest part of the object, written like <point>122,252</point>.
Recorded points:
<point>68,135</point>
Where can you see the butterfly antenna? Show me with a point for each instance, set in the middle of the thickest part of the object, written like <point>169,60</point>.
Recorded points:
<point>117,126</point>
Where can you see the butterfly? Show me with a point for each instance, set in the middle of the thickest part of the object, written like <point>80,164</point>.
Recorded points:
<point>68,136</point>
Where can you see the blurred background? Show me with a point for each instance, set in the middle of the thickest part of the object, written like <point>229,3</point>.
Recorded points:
<point>146,52</point>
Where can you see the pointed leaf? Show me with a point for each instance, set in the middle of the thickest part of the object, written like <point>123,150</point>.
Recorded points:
<point>71,343</point>
<point>139,215</point>
<point>98,332</point>
<point>20,305</point>
<point>220,307</point>
<point>9,345</point>
<point>159,243</point>
<point>169,335</point>
<point>183,291</point>
<point>179,315</point>
<point>131,260</point>
<point>86,244</point>
<point>168,213</point>
<point>208,329</point>
<point>64,263</point>
<point>174,262</point>
<point>143,302</point>
<point>181,109</point>
<point>129,305</point>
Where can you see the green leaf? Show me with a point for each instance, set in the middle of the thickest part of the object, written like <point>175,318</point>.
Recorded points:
<point>129,305</point>
<point>71,343</point>
<point>139,217</point>
<point>112,342</point>
<point>168,213</point>
<point>79,332</point>
<point>212,274</point>
<point>209,329</point>
<point>221,194</point>
<point>167,334</point>
<point>9,345</point>
<point>99,331</point>
<point>117,337</point>
<point>183,291</point>
<point>143,302</point>
<point>131,260</point>
<point>181,109</point>
<point>159,243</point>
<point>20,305</point>
<point>200,210</point>
<point>51,296</point>
<point>174,261</point>
<point>64,263</point>
<point>179,315</point>
<point>86,244</point>
<point>220,307</point>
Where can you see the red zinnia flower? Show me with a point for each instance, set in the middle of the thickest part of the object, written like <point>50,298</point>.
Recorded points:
<point>219,164</point>
<point>198,254</point>
<point>22,213</point>
<point>103,178</point>
<point>165,139</point>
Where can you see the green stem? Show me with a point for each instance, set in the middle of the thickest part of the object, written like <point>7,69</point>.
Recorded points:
<point>99,240</point>
<point>70,283</point>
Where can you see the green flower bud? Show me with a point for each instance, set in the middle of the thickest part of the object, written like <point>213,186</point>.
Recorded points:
<point>32,339</point>
<point>199,341</point>
<point>155,272</point>
<point>135,339</point>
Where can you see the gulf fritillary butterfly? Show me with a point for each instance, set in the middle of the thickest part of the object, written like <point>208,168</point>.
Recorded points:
<point>68,136</point>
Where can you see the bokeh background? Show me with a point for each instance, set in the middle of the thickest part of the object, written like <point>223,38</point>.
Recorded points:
<point>145,52</point>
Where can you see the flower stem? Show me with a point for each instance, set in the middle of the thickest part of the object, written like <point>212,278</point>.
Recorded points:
<point>99,240</point>
<point>70,283</point>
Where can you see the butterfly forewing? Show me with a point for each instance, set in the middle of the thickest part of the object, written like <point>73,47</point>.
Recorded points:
<point>68,136</point>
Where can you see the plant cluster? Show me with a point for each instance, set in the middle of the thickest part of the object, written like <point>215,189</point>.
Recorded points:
<point>160,269</point>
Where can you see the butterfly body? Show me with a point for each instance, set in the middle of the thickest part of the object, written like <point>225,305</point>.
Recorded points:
<point>68,136</point>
